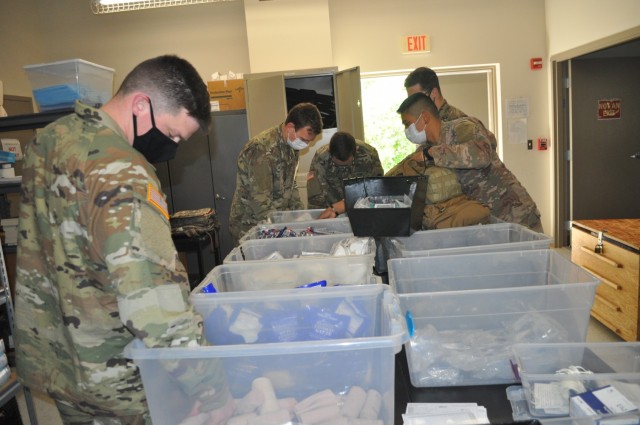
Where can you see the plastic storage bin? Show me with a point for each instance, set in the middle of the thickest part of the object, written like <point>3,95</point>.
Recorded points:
<point>378,222</point>
<point>481,238</point>
<point>288,274</point>
<point>305,248</point>
<point>57,85</point>
<point>291,350</point>
<point>469,309</point>
<point>310,228</point>
<point>547,392</point>
<point>294,215</point>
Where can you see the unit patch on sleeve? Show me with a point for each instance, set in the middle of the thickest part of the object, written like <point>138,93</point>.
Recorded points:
<point>157,200</point>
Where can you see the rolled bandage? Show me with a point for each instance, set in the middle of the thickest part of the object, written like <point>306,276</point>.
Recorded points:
<point>241,419</point>
<point>353,402</point>
<point>270,403</point>
<point>250,402</point>
<point>325,414</point>
<point>317,408</point>
<point>277,417</point>
<point>371,408</point>
<point>288,403</point>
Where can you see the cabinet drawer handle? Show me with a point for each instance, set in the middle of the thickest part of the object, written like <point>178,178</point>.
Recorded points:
<point>599,257</point>
<point>607,282</point>
<point>607,323</point>
<point>608,303</point>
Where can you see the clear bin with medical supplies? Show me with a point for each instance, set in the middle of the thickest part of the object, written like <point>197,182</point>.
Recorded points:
<point>313,228</point>
<point>57,85</point>
<point>287,274</point>
<point>468,310</point>
<point>552,373</point>
<point>320,355</point>
<point>294,215</point>
<point>480,238</point>
<point>306,248</point>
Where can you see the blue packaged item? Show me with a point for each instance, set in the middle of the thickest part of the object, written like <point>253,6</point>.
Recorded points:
<point>216,329</point>
<point>321,283</point>
<point>209,289</point>
<point>321,324</point>
<point>279,326</point>
<point>56,97</point>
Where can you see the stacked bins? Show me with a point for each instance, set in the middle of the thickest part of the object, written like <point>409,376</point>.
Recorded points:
<point>469,309</point>
<point>321,350</point>
<point>549,374</point>
<point>482,238</point>
<point>294,215</point>
<point>298,229</point>
<point>287,274</point>
<point>300,248</point>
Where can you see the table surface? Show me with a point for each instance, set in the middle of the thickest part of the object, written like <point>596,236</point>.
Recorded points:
<point>492,397</point>
<point>623,230</point>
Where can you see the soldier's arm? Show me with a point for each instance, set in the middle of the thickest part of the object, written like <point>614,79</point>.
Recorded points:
<point>315,185</point>
<point>466,148</point>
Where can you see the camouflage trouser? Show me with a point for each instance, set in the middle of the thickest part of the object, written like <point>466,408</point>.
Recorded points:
<point>455,212</point>
<point>72,416</point>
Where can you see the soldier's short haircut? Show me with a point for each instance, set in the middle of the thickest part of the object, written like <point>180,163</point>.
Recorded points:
<point>172,83</point>
<point>424,76</point>
<point>418,103</point>
<point>303,115</point>
<point>342,145</point>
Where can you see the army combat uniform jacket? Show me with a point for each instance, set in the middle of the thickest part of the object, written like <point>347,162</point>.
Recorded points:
<point>97,268</point>
<point>266,181</point>
<point>448,112</point>
<point>470,149</point>
<point>324,180</point>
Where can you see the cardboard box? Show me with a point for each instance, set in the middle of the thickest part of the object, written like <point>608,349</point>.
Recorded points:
<point>226,95</point>
<point>603,401</point>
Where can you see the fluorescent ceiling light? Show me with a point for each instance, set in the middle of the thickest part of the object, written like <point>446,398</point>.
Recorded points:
<point>112,6</point>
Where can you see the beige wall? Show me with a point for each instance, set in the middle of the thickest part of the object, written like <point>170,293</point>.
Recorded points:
<point>574,23</point>
<point>214,37</point>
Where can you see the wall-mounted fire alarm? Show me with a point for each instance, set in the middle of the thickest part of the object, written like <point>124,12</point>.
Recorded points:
<point>536,63</point>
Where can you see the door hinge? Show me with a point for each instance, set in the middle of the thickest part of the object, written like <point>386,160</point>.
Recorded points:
<point>567,83</point>
<point>567,155</point>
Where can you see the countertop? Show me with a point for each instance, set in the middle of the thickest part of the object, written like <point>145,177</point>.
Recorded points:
<point>622,230</point>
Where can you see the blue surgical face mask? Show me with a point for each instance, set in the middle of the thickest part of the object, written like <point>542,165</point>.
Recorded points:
<point>297,143</point>
<point>154,145</point>
<point>415,136</point>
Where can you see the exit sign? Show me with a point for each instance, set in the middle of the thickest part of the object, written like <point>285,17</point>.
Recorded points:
<point>416,44</point>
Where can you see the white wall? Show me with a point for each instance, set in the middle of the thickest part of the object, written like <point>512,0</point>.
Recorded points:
<point>574,23</point>
<point>214,37</point>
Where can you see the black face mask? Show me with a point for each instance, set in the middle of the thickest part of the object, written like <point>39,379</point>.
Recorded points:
<point>154,145</point>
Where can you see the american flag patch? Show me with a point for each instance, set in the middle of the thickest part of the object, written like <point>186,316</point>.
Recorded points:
<point>156,199</point>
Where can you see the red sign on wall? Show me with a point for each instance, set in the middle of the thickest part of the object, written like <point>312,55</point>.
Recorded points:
<point>609,109</point>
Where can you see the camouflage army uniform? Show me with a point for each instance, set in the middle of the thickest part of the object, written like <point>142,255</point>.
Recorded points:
<point>266,181</point>
<point>97,268</point>
<point>449,113</point>
<point>445,204</point>
<point>468,147</point>
<point>324,180</point>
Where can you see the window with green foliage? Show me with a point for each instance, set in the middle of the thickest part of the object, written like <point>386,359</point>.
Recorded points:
<point>383,128</point>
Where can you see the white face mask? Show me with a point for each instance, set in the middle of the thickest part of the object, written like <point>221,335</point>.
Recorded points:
<point>297,144</point>
<point>415,136</point>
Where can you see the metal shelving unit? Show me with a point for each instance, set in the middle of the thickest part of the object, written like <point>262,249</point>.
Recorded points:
<point>12,123</point>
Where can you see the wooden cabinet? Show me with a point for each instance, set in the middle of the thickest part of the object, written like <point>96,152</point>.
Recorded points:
<point>610,250</point>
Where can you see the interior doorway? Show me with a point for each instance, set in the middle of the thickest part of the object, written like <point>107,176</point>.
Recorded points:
<point>473,89</point>
<point>596,176</point>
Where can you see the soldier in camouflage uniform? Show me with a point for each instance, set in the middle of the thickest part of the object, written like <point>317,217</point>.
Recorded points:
<point>96,263</point>
<point>467,147</point>
<point>425,80</point>
<point>267,165</point>
<point>344,157</point>
<point>445,204</point>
